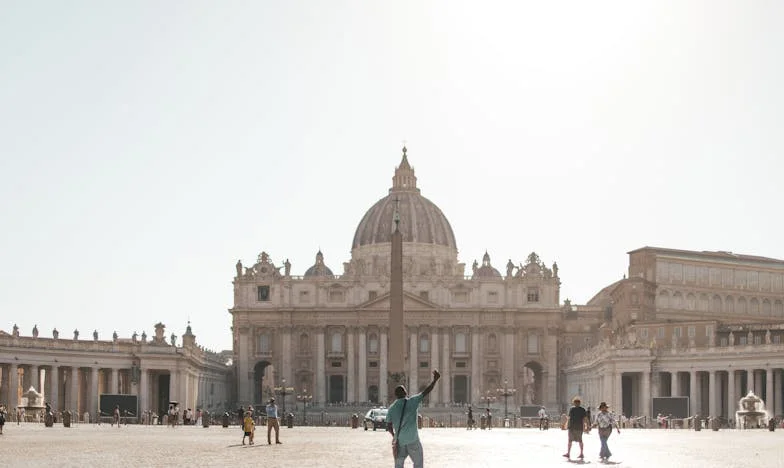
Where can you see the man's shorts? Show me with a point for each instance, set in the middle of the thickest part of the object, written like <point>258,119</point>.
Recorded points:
<point>247,434</point>
<point>575,435</point>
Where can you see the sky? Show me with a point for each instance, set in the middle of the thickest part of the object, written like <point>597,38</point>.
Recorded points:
<point>147,146</point>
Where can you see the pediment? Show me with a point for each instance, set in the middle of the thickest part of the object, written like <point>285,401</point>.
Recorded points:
<point>410,302</point>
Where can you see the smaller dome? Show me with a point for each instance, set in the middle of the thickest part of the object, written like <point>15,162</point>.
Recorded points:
<point>486,270</point>
<point>319,268</point>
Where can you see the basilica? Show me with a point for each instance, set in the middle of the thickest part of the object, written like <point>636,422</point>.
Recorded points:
<point>702,327</point>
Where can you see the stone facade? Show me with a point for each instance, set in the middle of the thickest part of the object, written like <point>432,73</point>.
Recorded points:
<point>72,373</point>
<point>327,334</point>
<point>704,325</point>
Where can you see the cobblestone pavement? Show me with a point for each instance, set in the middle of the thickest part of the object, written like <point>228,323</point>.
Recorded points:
<point>90,445</point>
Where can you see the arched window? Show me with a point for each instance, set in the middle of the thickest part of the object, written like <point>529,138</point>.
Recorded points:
<point>373,343</point>
<point>729,305</point>
<point>304,343</point>
<point>703,304</point>
<point>424,343</point>
<point>754,306</point>
<point>663,301</point>
<point>742,305</point>
<point>766,307</point>
<point>778,309</point>
<point>460,343</point>
<point>691,302</point>
<point>716,304</point>
<point>337,342</point>
<point>677,300</point>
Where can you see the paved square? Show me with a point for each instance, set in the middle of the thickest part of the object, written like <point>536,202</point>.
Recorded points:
<point>90,445</point>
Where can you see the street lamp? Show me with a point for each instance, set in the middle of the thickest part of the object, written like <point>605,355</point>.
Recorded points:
<point>487,399</point>
<point>506,392</point>
<point>283,390</point>
<point>304,397</point>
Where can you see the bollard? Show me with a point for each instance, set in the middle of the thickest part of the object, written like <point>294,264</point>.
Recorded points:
<point>66,419</point>
<point>225,420</point>
<point>205,419</point>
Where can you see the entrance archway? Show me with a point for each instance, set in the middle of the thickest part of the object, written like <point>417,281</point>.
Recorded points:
<point>532,384</point>
<point>262,382</point>
<point>336,388</point>
<point>460,389</point>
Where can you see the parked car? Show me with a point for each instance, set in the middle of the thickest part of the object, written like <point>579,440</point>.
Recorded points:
<point>376,418</point>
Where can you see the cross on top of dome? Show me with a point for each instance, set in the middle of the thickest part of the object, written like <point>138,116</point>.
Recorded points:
<point>404,178</point>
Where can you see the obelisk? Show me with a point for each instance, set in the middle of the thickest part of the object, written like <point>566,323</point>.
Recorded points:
<point>396,349</point>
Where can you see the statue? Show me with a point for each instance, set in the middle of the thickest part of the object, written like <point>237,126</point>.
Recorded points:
<point>134,337</point>
<point>16,330</point>
<point>732,339</point>
<point>287,268</point>
<point>35,331</point>
<point>475,267</point>
<point>76,335</point>
<point>173,339</point>
<point>263,257</point>
<point>95,335</point>
<point>750,339</point>
<point>767,337</point>
<point>509,268</point>
<point>114,336</point>
<point>55,334</point>
<point>555,269</point>
<point>239,268</point>
<point>144,336</point>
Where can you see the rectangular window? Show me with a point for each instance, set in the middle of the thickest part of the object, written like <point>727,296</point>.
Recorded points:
<point>335,295</point>
<point>692,332</point>
<point>757,339</point>
<point>660,332</point>
<point>424,344</point>
<point>264,343</point>
<point>533,344</point>
<point>212,389</point>
<point>263,293</point>
<point>708,330</point>
<point>373,364</point>
<point>460,364</point>
<point>742,340</point>
<point>460,297</point>
<point>337,363</point>
<point>776,339</point>
<point>568,350</point>
<point>533,294</point>
<point>492,297</point>
<point>424,295</point>
<point>424,364</point>
<point>676,332</point>
<point>304,297</point>
<point>644,333</point>
<point>372,295</point>
<point>723,342</point>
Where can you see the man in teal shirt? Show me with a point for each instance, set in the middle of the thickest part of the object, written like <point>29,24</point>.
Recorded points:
<point>402,424</point>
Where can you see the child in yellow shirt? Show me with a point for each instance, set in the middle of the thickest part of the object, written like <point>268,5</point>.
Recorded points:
<point>248,427</point>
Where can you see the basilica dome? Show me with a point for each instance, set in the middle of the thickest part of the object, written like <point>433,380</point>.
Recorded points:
<point>421,221</point>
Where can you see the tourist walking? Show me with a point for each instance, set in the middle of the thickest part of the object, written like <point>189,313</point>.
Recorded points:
<point>576,425</point>
<point>605,421</point>
<point>272,422</point>
<point>402,424</point>
<point>470,422</point>
<point>543,422</point>
<point>2,419</point>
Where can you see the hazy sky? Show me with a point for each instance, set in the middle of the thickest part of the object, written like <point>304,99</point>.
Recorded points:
<point>146,146</point>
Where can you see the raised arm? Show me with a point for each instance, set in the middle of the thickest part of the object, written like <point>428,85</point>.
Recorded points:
<point>429,388</point>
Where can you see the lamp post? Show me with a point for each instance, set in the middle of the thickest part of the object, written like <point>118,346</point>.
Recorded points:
<point>304,397</point>
<point>283,390</point>
<point>506,392</point>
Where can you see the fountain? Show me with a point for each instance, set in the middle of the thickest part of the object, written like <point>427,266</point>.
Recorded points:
<point>32,402</point>
<point>752,413</point>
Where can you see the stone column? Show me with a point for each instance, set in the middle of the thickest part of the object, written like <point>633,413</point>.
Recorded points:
<point>434,363</point>
<point>758,383</point>
<point>54,380</point>
<point>507,359</point>
<point>244,371</point>
<point>712,403</point>
<point>646,393</point>
<point>770,405</point>
<point>174,385</point>
<point>93,403</point>
<point>749,381</point>
<point>351,372</point>
<point>73,394</point>
<point>321,375</point>
<point>286,353</point>
<point>777,398</point>
<point>413,358</point>
<point>143,390</point>
<point>618,401</point>
<point>35,374</point>
<point>693,403</point>
<point>446,374</point>
<point>732,402</point>
<point>114,385</point>
<point>13,387</point>
<point>675,384</point>
<point>362,365</point>
<point>382,369</point>
<point>476,362</point>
